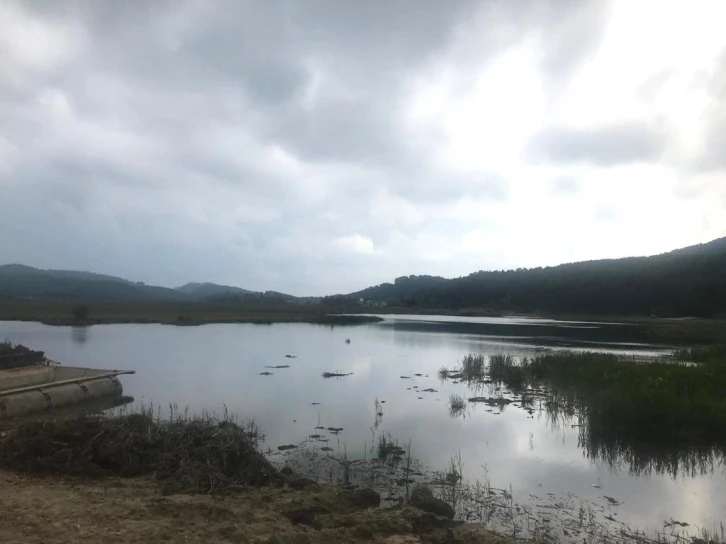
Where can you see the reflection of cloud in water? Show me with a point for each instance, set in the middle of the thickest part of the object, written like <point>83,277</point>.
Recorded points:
<point>216,365</point>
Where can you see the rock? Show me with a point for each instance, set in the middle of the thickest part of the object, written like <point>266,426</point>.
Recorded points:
<point>432,505</point>
<point>362,498</point>
<point>302,483</point>
<point>305,516</point>
<point>287,471</point>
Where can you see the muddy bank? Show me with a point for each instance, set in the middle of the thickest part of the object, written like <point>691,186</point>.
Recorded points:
<point>138,479</point>
<point>50,509</point>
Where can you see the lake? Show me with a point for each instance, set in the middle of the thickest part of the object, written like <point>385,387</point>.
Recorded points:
<point>218,367</point>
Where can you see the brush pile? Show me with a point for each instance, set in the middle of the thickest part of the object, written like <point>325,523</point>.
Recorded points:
<point>198,455</point>
<point>14,356</point>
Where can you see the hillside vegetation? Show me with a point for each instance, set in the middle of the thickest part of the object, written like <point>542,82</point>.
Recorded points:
<point>20,281</point>
<point>685,282</point>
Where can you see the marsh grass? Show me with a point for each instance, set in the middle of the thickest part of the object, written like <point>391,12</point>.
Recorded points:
<point>449,374</point>
<point>200,453</point>
<point>389,449</point>
<point>547,518</point>
<point>504,368</point>
<point>457,405</point>
<point>665,416</point>
<point>473,367</point>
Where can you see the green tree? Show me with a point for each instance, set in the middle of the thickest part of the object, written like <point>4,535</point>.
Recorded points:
<point>80,313</point>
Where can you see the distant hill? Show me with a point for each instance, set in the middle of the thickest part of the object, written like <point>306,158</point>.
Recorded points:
<point>23,270</point>
<point>203,291</point>
<point>686,282</point>
<point>402,287</point>
<point>20,281</point>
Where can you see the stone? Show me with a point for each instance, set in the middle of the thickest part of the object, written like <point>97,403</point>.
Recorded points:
<point>362,498</point>
<point>432,505</point>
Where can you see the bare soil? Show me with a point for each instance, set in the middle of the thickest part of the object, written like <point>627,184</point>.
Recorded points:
<point>49,509</point>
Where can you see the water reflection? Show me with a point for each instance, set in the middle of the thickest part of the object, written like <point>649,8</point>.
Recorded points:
<point>209,367</point>
<point>609,432</point>
<point>80,334</point>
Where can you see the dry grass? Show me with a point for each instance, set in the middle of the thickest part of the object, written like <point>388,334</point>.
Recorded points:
<point>202,454</point>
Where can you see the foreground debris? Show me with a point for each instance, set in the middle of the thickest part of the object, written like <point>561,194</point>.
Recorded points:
<point>202,455</point>
<point>53,510</point>
<point>136,479</point>
<point>14,356</point>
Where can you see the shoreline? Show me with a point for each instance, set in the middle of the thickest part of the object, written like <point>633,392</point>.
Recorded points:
<point>135,479</point>
<point>49,509</point>
<point>180,456</point>
<point>675,331</point>
<point>326,320</point>
<point>61,313</point>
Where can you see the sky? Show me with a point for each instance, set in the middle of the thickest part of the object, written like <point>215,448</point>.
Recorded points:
<point>322,146</point>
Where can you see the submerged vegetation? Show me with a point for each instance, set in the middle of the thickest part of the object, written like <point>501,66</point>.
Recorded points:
<point>457,405</point>
<point>473,366</point>
<point>668,415</point>
<point>338,374</point>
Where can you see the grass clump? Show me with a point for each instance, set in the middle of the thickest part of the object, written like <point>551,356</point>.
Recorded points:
<point>389,448</point>
<point>202,454</point>
<point>473,366</point>
<point>707,354</point>
<point>457,405</point>
<point>504,368</point>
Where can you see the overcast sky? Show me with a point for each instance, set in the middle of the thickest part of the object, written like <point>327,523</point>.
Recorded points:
<point>320,146</point>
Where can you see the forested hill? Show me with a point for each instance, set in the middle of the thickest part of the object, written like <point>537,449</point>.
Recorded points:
<point>20,281</point>
<point>685,282</point>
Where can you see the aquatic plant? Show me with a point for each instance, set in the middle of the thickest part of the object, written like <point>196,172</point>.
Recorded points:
<point>389,448</point>
<point>457,405</point>
<point>473,366</point>
<point>336,374</point>
<point>665,416</point>
<point>504,368</point>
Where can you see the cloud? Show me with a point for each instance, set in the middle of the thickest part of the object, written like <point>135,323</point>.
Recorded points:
<point>355,243</point>
<point>602,146</point>
<point>238,141</point>
<point>711,156</point>
<point>564,186</point>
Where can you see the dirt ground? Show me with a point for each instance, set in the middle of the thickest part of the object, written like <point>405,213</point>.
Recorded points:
<point>137,510</point>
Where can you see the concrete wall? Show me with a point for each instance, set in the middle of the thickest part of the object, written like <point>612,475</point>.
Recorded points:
<point>62,396</point>
<point>25,376</point>
<point>33,375</point>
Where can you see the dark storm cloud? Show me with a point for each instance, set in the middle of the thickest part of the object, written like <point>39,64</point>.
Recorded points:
<point>601,146</point>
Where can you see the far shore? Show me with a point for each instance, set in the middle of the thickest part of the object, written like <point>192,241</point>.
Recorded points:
<point>60,313</point>
<point>677,330</point>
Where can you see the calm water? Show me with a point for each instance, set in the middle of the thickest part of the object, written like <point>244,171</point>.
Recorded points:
<point>213,366</point>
